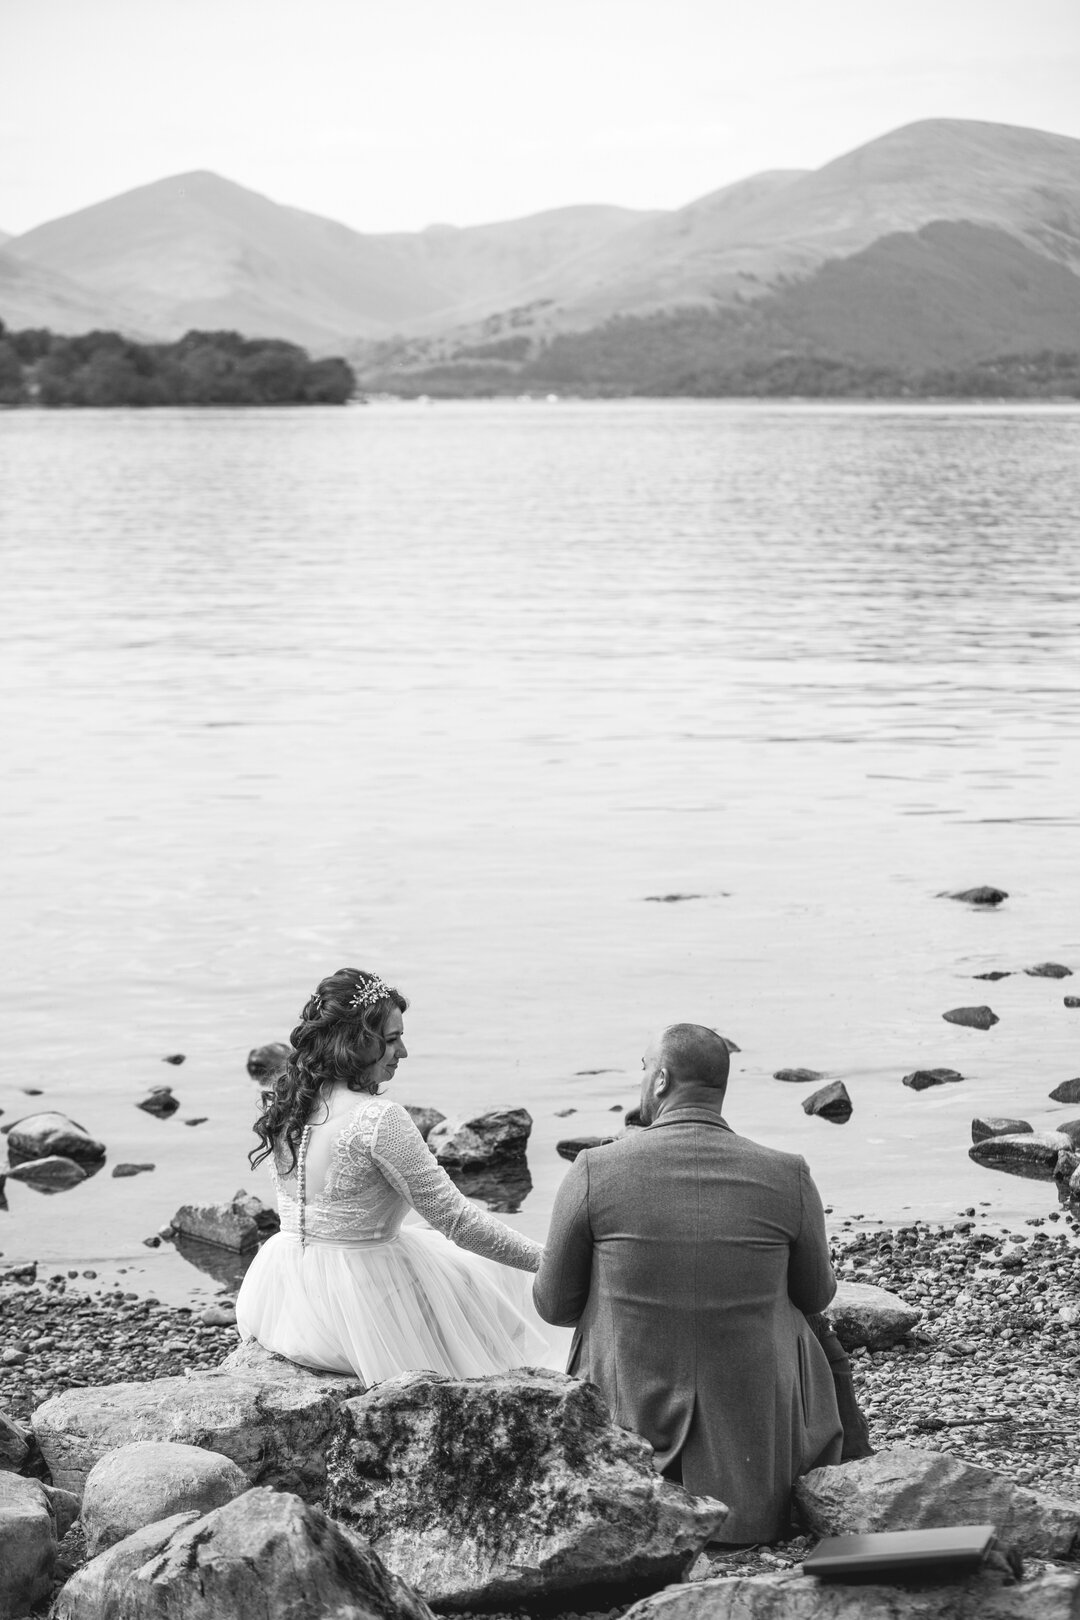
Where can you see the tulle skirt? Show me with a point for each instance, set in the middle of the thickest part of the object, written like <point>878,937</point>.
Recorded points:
<point>379,1309</point>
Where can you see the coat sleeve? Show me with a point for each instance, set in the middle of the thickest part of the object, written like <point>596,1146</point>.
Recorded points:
<point>561,1286</point>
<point>811,1284</point>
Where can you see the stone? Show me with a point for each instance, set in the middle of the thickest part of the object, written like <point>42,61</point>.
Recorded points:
<point>989,1125</point>
<point>39,1136</point>
<point>266,1063</point>
<point>265,1555</point>
<point>994,975</point>
<point>862,1314</point>
<point>730,1044</point>
<point>1072,1001</point>
<point>1032,1154</point>
<point>571,1146</point>
<point>425,1119</point>
<point>239,1224</point>
<point>972,1017</point>
<point>799,1077</point>
<point>132,1169</point>
<point>223,1315</point>
<point>984,895</point>
<point>985,1595</point>
<point>1067,1092</point>
<point>1049,970</point>
<point>923,1079</point>
<point>149,1480</point>
<point>270,1416</point>
<point>831,1102</point>
<point>51,1174</point>
<point>505,1490</point>
<point>175,1058</point>
<point>159,1101</point>
<point>1071,1129</point>
<point>28,1541</point>
<point>14,1445</point>
<point>496,1137</point>
<point>908,1489</point>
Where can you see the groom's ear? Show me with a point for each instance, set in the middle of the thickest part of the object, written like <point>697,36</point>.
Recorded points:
<point>660,1084</point>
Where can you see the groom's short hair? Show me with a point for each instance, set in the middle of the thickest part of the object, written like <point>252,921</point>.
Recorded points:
<point>695,1055</point>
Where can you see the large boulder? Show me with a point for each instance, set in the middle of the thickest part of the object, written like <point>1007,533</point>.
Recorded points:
<point>502,1491</point>
<point>907,1489</point>
<point>266,1555</point>
<point>862,1314</point>
<point>150,1480</point>
<point>239,1224</point>
<point>33,1518</point>
<point>270,1416</point>
<point>983,1596</point>
<point>40,1136</point>
<point>14,1445</point>
<point>499,1136</point>
<point>1032,1153</point>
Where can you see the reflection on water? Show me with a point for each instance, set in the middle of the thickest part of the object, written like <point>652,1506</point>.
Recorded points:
<point>448,692</point>
<point>225,1266</point>
<point>504,1188</point>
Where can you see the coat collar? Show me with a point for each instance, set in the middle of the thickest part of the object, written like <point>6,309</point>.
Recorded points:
<point>691,1114</point>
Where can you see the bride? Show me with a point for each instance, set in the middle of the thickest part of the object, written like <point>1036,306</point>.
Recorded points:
<point>344,1285</point>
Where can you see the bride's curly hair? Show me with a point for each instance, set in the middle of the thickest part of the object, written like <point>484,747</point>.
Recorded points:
<point>335,1042</point>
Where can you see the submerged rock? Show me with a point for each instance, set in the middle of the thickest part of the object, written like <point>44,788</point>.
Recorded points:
<point>40,1136</point>
<point>923,1079</point>
<point>800,1077</point>
<point>266,1553</point>
<point>1033,1154</point>
<point>998,973</point>
<point>499,1136</point>
<point>972,1017</point>
<point>239,1224</point>
<point>983,1127</point>
<point>1067,1092</point>
<point>1049,970</point>
<point>983,895</point>
<point>862,1314</point>
<point>908,1489</point>
<point>270,1416</point>
<point>831,1102</point>
<point>425,1119</point>
<point>159,1101</point>
<point>150,1480</point>
<point>53,1174</point>
<point>503,1491</point>
<point>132,1169</point>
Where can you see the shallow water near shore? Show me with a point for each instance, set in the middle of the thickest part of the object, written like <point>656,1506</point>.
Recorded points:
<point>451,691</point>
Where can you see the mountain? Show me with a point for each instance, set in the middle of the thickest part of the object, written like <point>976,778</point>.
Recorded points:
<point>945,241</point>
<point>199,251</point>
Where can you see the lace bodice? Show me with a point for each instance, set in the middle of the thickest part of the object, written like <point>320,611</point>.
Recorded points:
<point>380,1168</point>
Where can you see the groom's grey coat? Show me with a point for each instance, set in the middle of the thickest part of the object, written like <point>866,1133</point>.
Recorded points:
<point>686,1256</point>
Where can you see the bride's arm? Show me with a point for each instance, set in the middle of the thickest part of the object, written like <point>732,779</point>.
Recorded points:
<point>407,1163</point>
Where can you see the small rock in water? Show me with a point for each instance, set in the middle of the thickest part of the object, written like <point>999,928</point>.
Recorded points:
<point>1067,1092</point>
<point>38,1136</point>
<point>1033,1154</point>
<point>160,1102</point>
<point>571,1146</point>
<point>672,899</point>
<point>1071,1129</point>
<point>51,1174</point>
<point>730,1044</point>
<point>983,895</point>
<point>1072,1001</point>
<point>425,1119</point>
<point>199,1119</point>
<point>923,1079</point>
<point>997,973</point>
<point>496,1137</point>
<point>832,1102</point>
<point>800,1077</point>
<point>265,1063</point>
<point>1048,970</point>
<point>132,1169</point>
<point>564,1113</point>
<point>174,1057</point>
<point>971,1017</point>
<point>983,1127</point>
<point>32,1091</point>
<point>632,1120</point>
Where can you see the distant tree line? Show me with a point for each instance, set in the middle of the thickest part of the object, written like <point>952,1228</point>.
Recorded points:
<point>38,367</point>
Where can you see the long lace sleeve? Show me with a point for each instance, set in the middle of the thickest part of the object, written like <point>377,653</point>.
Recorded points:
<point>406,1161</point>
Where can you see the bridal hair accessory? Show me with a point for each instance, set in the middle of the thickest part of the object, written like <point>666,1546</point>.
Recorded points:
<point>366,995</point>
<point>316,1004</point>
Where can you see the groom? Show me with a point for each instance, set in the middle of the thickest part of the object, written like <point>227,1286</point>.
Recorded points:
<point>685,1257</point>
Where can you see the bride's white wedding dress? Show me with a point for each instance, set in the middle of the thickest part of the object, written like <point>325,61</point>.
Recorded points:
<point>345,1286</point>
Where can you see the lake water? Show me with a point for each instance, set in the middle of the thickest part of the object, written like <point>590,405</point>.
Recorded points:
<point>449,691</point>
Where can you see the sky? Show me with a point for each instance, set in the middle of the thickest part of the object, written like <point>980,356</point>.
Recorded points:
<point>396,114</point>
